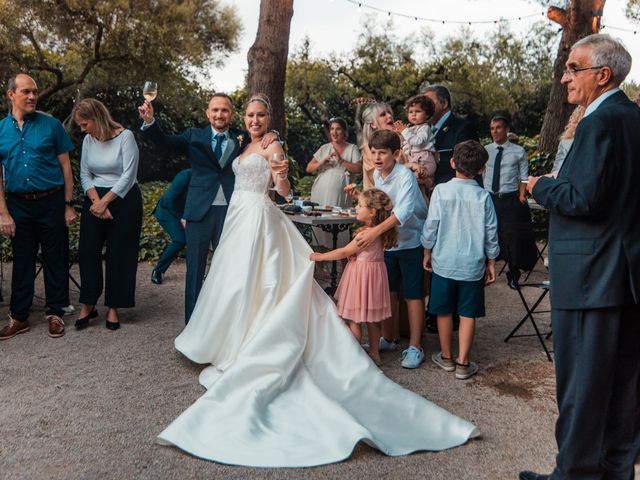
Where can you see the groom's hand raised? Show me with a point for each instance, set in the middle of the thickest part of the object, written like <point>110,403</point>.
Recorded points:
<point>146,112</point>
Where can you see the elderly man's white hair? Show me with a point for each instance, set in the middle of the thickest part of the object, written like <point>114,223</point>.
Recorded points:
<point>607,51</point>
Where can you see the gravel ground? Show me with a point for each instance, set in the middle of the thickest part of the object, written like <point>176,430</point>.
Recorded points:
<point>89,405</point>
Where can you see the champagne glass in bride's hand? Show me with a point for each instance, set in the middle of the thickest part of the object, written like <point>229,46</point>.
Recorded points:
<point>150,90</point>
<point>279,165</point>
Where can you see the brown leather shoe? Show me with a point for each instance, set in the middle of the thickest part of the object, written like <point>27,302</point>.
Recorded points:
<point>14,328</point>
<point>56,326</point>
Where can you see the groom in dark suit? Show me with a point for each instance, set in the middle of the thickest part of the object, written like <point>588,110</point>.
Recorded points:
<point>210,151</point>
<point>594,262</point>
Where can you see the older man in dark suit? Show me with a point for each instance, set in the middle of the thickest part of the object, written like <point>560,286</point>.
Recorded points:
<point>594,259</point>
<point>448,128</point>
<point>210,151</point>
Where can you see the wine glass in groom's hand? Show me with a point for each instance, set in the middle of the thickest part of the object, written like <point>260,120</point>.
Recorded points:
<point>150,90</point>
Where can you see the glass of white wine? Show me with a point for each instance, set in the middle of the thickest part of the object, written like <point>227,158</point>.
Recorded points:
<point>278,162</point>
<point>150,90</point>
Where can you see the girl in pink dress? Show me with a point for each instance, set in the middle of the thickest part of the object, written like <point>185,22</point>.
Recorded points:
<point>363,292</point>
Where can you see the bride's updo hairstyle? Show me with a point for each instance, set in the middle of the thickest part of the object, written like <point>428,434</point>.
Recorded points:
<point>261,98</point>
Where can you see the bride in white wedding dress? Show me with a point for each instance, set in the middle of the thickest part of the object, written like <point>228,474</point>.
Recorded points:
<point>288,385</point>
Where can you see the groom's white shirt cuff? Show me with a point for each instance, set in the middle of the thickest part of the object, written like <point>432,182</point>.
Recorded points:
<point>147,125</point>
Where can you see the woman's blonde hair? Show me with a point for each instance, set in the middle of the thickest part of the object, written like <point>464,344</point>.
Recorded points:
<point>369,116</point>
<point>570,129</point>
<point>92,109</point>
<point>260,98</point>
<point>382,204</point>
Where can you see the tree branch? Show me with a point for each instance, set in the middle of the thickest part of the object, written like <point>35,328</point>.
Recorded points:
<point>356,83</point>
<point>558,15</point>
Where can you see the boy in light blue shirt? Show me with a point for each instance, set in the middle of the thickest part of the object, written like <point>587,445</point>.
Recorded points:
<point>403,262</point>
<point>460,238</point>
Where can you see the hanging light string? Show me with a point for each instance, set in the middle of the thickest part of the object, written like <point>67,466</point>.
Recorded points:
<point>609,27</point>
<point>390,13</point>
<point>434,20</point>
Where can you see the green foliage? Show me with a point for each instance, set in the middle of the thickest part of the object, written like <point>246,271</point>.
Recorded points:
<point>304,185</point>
<point>632,89</point>
<point>107,49</point>
<point>70,44</point>
<point>633,10</point>
<point>539,162</point>
<point>500,72</point>
<point>153,238</point>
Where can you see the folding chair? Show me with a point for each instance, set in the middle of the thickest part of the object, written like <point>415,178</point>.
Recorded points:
<point>542,289</point>
<point>541,235</point>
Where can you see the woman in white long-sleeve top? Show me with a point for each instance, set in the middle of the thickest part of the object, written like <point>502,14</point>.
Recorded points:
<point>111,214</point>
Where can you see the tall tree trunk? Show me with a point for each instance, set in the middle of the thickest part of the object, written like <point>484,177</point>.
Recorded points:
<point>267,57</point>
<point>581,18</point>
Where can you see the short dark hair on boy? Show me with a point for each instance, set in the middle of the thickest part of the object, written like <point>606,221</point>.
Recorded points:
<point>385,139</point>
<point>425,102</point>
<point>469,157</point>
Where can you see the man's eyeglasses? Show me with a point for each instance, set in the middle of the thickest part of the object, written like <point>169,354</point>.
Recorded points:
<point>571,71</point>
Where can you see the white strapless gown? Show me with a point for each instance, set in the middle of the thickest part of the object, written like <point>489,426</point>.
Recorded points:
<point>288,385</point>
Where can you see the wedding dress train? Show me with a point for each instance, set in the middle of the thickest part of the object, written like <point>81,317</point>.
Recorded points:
<point>288,385</point>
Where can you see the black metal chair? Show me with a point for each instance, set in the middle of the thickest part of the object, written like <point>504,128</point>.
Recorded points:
<point>541,288</point>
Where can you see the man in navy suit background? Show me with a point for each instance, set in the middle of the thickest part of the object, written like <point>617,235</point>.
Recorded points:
<point>210,151</point>
<point>448,128</point>
<point>594,262</point>
<point>168,212</point>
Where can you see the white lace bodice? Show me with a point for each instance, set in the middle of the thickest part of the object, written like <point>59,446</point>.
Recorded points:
<point>252,173</point>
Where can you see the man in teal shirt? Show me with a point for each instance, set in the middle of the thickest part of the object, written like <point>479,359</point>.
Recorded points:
<point>34,150</point>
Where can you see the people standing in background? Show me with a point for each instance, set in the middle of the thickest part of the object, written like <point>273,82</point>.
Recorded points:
<point>332,161</point>
<point>169,212</point>
<point>34,150</point>
<point>111,213</point>
<point>506,170</point>
<point>448,128</point>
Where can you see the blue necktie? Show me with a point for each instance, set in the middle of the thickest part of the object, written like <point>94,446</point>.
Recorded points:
<point>217,151</point>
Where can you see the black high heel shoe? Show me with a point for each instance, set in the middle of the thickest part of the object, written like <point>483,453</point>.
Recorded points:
<point>83,322</point>
<point>112,325</point>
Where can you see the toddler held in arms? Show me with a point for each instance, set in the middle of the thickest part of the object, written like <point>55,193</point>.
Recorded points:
<point>363,292</point>
<point>419,142</point>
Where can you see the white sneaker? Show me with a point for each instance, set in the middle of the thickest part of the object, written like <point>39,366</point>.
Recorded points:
<point>68,310</point>
<point>387,346</point>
